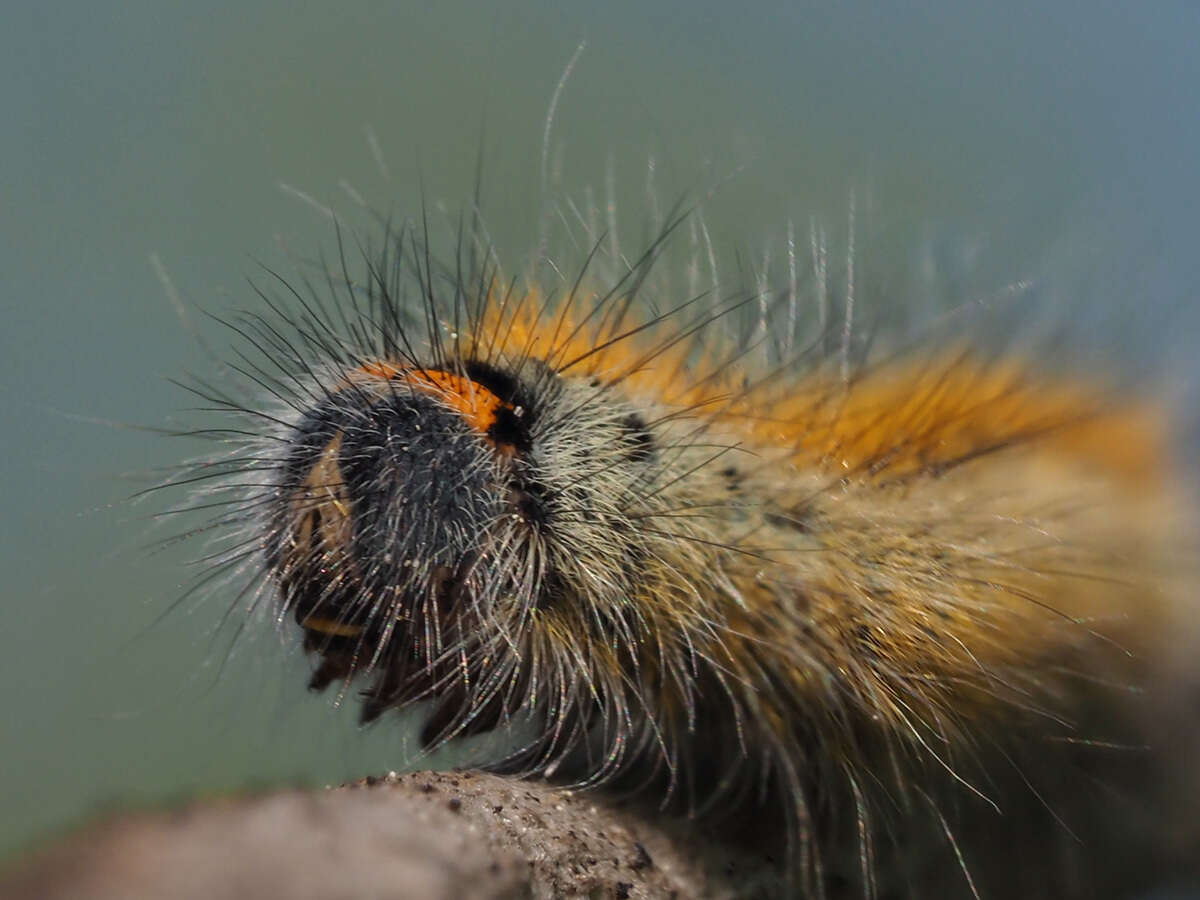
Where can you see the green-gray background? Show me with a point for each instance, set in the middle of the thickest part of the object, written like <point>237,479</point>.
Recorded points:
<point>1056,139</point>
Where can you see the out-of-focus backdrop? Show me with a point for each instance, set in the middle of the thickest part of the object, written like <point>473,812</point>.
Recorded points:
<point>149,145</point>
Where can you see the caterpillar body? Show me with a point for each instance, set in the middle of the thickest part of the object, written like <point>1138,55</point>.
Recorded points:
<point>906,611</point>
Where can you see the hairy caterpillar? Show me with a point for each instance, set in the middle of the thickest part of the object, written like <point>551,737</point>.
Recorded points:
<point>905,607</point>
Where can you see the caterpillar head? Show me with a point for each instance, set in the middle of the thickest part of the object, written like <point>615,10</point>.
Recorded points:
<point>461,533</point>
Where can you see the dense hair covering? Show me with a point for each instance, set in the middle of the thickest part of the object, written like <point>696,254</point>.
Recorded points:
<point>900,603</point>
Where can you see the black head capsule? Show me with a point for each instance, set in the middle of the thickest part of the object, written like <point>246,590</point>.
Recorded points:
<point>425,517</point>
<point>390,490</point>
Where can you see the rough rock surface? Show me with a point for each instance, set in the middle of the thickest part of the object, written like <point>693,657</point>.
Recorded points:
<point>421,836</point>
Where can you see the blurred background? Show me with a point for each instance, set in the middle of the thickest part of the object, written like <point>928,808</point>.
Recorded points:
<point>155,151</point>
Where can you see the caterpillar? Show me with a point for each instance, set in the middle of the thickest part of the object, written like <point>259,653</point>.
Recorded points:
<point>906,607</point>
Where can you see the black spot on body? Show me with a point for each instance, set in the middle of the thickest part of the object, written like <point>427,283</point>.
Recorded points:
<point>515,418</point>
<point>638,438</point>
<point>501,383</point>
<point>511,429</point>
